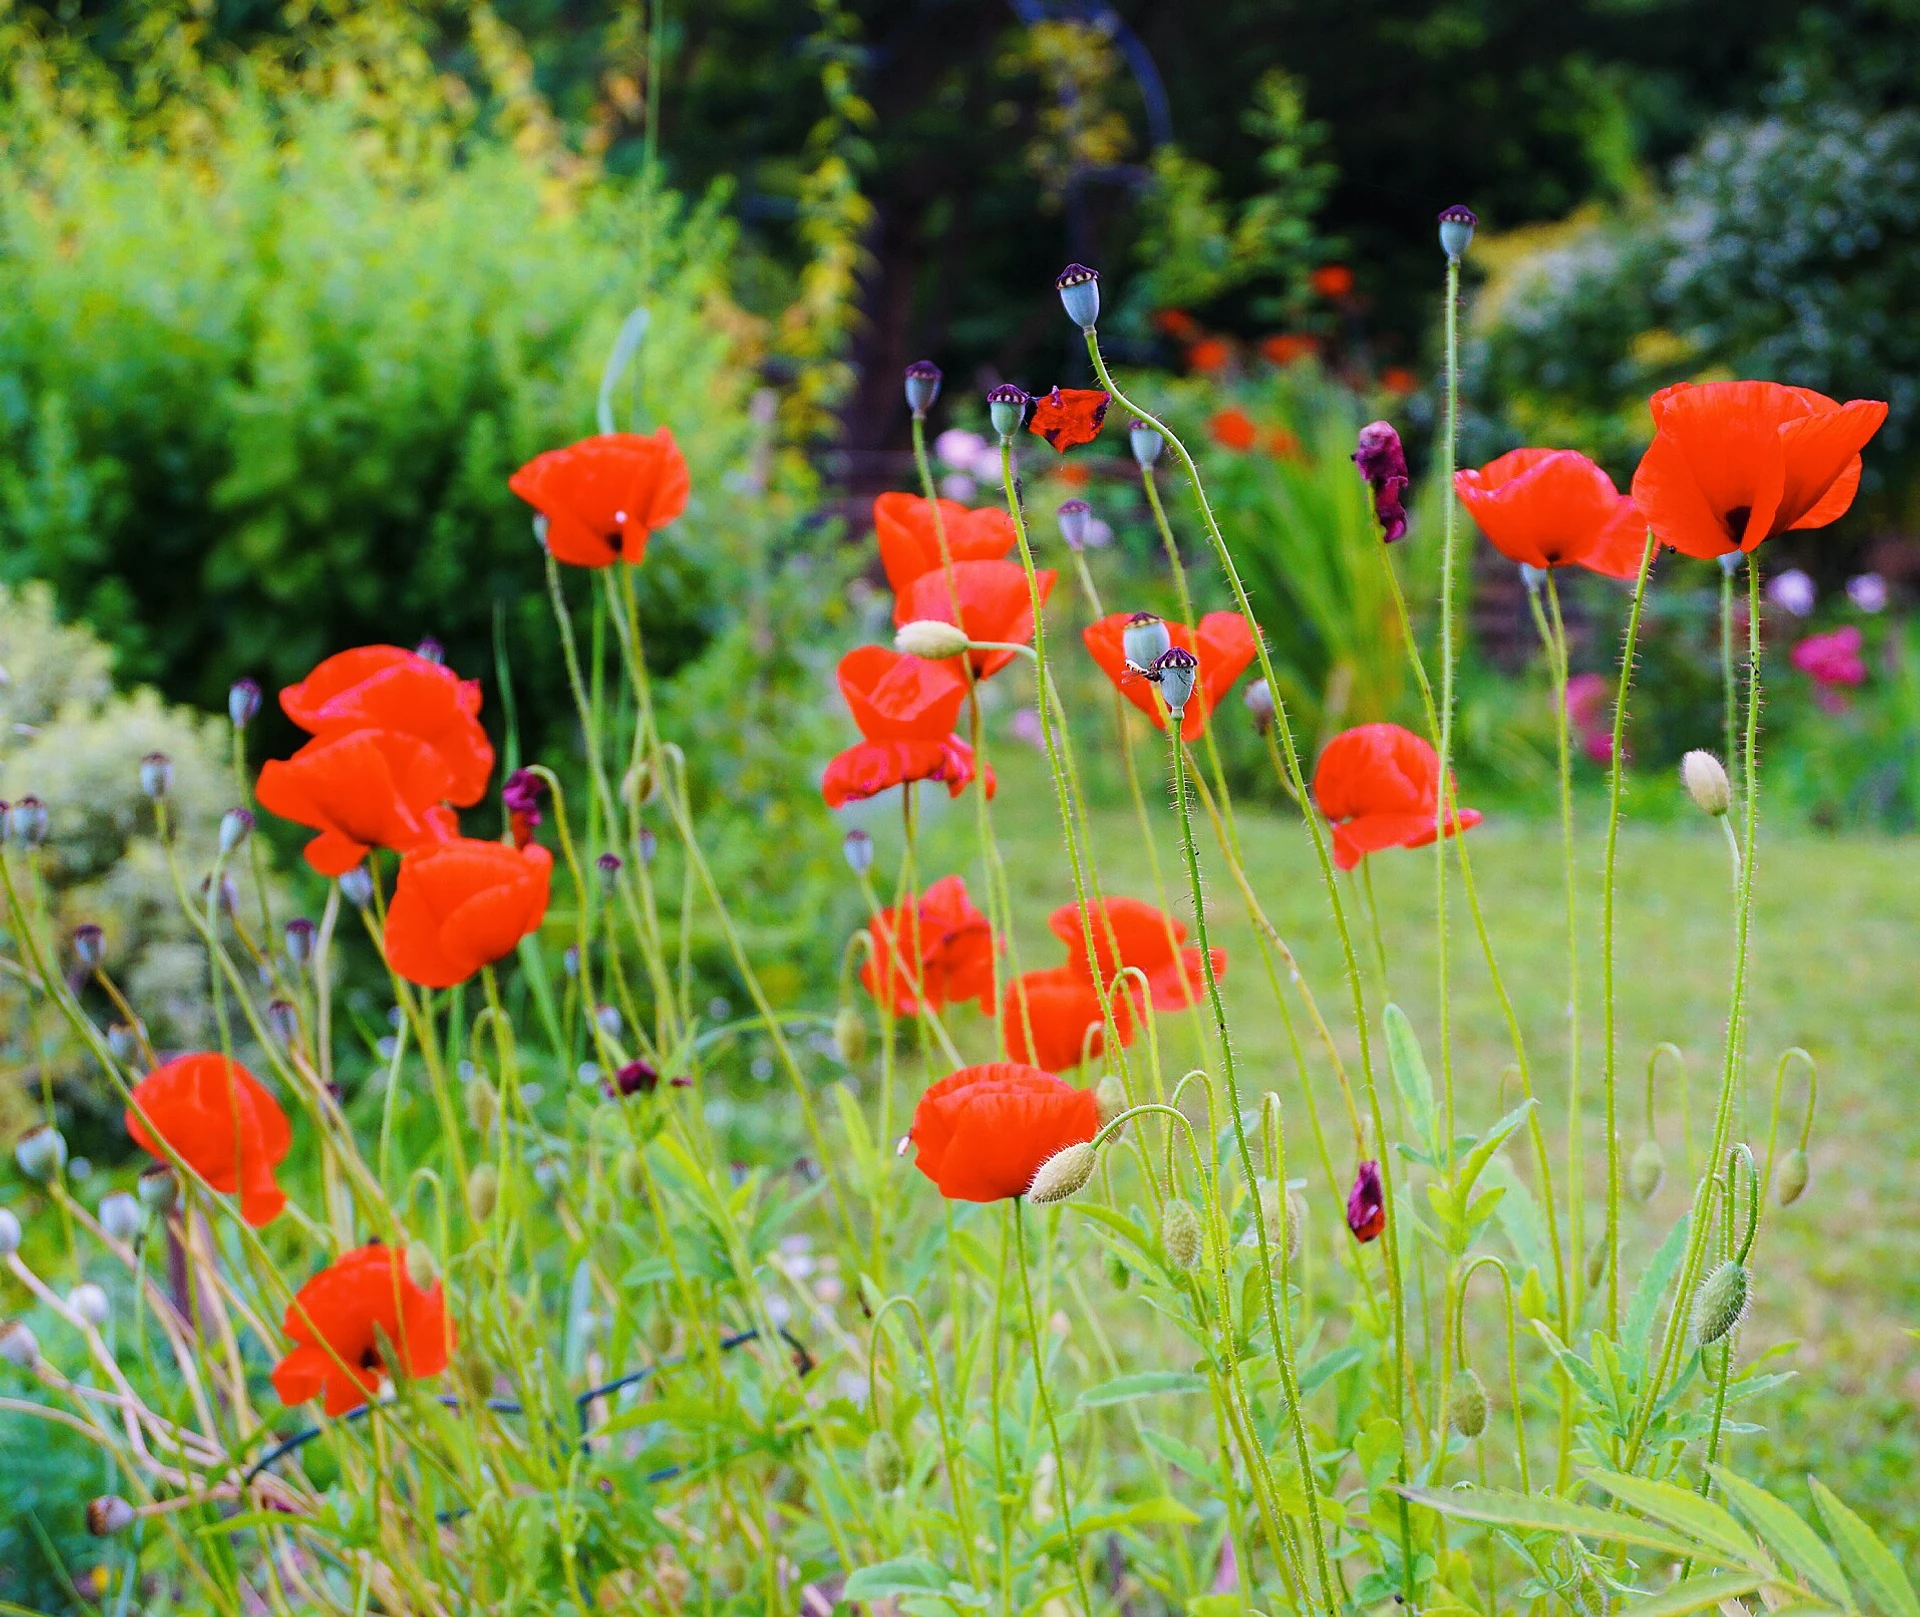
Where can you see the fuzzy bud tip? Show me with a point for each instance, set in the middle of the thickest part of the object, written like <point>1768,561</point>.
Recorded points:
<point>930,638</point>
<point>1706,781</point>
<point>1180,1234</point>
<point>1064,1174</point>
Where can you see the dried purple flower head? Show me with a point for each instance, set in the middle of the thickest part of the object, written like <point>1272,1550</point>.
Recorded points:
<point>1366,1203</point>
<point>1009,408</point>
<point>1074,516</point>
<point>1456,229</point>
<point>299,935</point>
<point>1383,463</point>
<point>923,386</point>
<point>243,702</point>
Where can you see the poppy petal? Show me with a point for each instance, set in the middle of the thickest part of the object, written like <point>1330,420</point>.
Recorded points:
<point>1069,416</point>
<point>1820,450</point>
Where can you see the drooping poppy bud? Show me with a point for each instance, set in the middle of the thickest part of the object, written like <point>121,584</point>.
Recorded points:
<point>243,702</point>
<point>1079,289</point>
<point>422,1267</point>
<point>849,1035</point>
<point>483,1192</point>
<point>1646,1170</point>
<point>923,387</point>
<point>1706,781</point>
<point>1111,1094</point>
<point>1793,1176</point>
<point>1064,1174</point>
<point>1467,1405</point>
<point>1180,1236</point>
<point>1383,463</point>
<point>1074,517</point>
<point>1366,1203</point>
<point>886,1465</point>
<point>1456,230</point>
<point>1721,1302</point>
<point>1009,408</point>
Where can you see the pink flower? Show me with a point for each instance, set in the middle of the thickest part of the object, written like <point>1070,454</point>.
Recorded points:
<point>1586,700</point>
<point>1833,658</point>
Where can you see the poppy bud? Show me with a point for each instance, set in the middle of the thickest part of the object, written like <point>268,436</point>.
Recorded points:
<point>234,826</point>
<point>18,1345</point>
<point>1064,1174</point>
<point>89,945</point>
<point>1532,577</point>
<point>1259,700</point>
<point>608,864</point>
<point>923,387</point>
<point>27,822</point>
<point>299,936</point>
<point>1596,1268</point>
<point>483,1192</point>
<point>1175,672</point>
<point>1180,1234</point>
<point>1367,1203</point>
<point>422,1268</point>
<point>156,775</point>
<point>632,1175</point>
<point>1456,230</point>
<point>356,887</point>
<point>1467,1405</point>
<point>157,1190</point>
<point>430,650</point>
<point>1008,408</point>
<point>1721,1303</point>
<point>1110,1095</point>
<point>1144,640</point>
<point>635,1078</point>
<point>886,1465</point>
<point>243,702</point>
<point>91,1303</point>
<point>1281,1213</point>
<point>483,1105</point>
<point>1646,1170</point>
<point>857,846</point>
<point>120,1216</point>
<point>649,845</point>
<point>1079,289</point>
<point>41,1152</point>
<point>9,1234</point>
<point>1793,1176</point>
<point>1074,517</point>
<point>929,638</point>
<point>107,1515</point>
<point>1146,443</point>
<point>849,1035</point>
<point>1706,781</point>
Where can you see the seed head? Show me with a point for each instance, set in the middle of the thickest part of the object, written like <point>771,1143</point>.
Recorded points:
<point>1074,518</point>
<point>356,887</point>
<point>483,1192</point>
<point>89,945</point>
<point>157,1189</point>
<point>609,1021</point>
<point>1079,289</point>
<point>18,1345</point>
<point>9,1234</point>
<point>27,822</point>
<point>299,934</point>
<point>430,650</point>
<point>156,775</point>
<point>1144,640</point>
<point>1175,671</point>
<point>929,638</point>
<point>857,848</point>
<point>1145,442</point>
<point>1064,1174</point>
<point>1008,408</point>
<point>122,1040</point>
<point>923,387</point>
<point>608,865</point>
<point>1647,1169</point>
<point>849,1036</point>
<point>243,702</point>
<point>283,1019</point>
<point>1180,1236</point>
<point>1793,1176</point>
<point>422,1267</point>
<point>41,1153</point>
<point>1259,700</point>
<point>1721,1302</point>
<point>235,825</point>
<point>120,1216</point>
<point>1456,230</point>
<point>1706,782</point>
<point>1467,1405</point>
<point>91,1303</point>
<point>107,1515</point>
<point>886,1465</point>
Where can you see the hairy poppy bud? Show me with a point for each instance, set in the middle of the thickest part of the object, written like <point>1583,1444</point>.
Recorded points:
<point>1110,1095</point>
<point>156,775</point>
<point>1456,230</point>
<point>1467,1405</point>
<point>1008,408</point>
<point>857,847</point>
<point>1367,1203</point>
<point>1064,1174</point>
<point>9,1234</point>
<point>107,1515</point>
<point>929,638</point>
<point>157,1189</point>
<point>1175,671</point>
<point>923,387</point>
<point>886,1465</point>
<point>27,822</point>
<point>849,1035</point>
<point>483,1192</point>
<point>299,935</point>
<point>641,784</point>
<point>235,824</point>
<point>1706,782</point>
<point>422,1268</point>
<point>1074,517</point>
<point>1180,1235</point>
<point>1793,1176</point>
<point>1596,1266</point>
<point>1145,442</point>
<point>608,864</point>
<point>89,945</point>
<point>243,702</point>
<point>120,1216</point>
<point>91,1303</point>
<point>1721,1303</point>
<point>1079,289</point>
<point>1281,1214</point>
<point>483,1105</point>
<point>41,1152</point>
<point>1646,1170</point>
<point>1532,577</point>
<point>356,887</point>
<point>1144,640</point>
<point>1259,700</point>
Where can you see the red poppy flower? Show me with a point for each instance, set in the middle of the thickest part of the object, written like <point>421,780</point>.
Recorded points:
<point>222,1122</point>
<point>1146,938</point>
<point>1284,444</point>
<point>1554,508</point>
<point>360,789</point>
<point>1224,645</point>
<point>1380,785</point>
<point>1177,324</point>
<point>461,905</point>
<point>1069,416</point>
<point>1062,1007</point>
<point>994,605</point>
<point>905,707</point>
<point>385,688</point>
<point>983,1132</point>
<point>1734,463</point>
<point>1399,381</point>
<point>1209,354</point>
<point>1367,1204</point>
<point>1233,429</point>
<point>871,767</point>
<point>344,1321</point>
<point>604,496</point>
<point>954,944</point>
<point>1331,280</point>
<point>1287,347</point>
<point>910,545</point>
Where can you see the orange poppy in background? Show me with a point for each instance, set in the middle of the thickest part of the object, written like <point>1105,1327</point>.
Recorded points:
<point>952,940</point>
<point>1224,645</point>
<point>1331,280</point>
<point>1062,1007</point>
<point>910,544</point>
<point>1131,932</point>
<point>994,605</point>
<point>1069,416</point>
<point>1734,463</point>
<point>222,1122</point>
<point>337,1322</point>
<point>361,789</point>
<point>1232,428</point>
<point>463,904</point>
<point>1209,354</point>
<point>604,496</point>
<point>1289,347</point>
<point>1380,786</point>
<point>982,1133</point>
<point>1554,508</point>
<point>1399,380</point>
<point>905,708</point>
<point>1177,324</point>
<point>1283,443</point>
<point>386,688</point>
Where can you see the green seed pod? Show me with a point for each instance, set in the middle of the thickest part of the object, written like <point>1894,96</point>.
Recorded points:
<point>1118,1273</point>
<point>483,1105</point>
<point>1063,1174</point>
<point>1596,1262</point>
<point>1180,1236</point>
<point>1721,1303</point>
<point>849,1036</point>
<point>483,1192</point>
<point>886,1465</point>
<point>1467,1405</point>
<point>632,1174</point>
<point>423,1269</point>
<point>1793,1176</point>
<point>1110,1095</point>
<point>1646,1170</point>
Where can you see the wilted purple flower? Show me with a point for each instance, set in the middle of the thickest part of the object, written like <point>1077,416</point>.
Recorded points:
<point>1366,1203</point>
<point>1383,463</point>
<point>1793,591</point>
<point>1868,592</point>
<point>522,793</point>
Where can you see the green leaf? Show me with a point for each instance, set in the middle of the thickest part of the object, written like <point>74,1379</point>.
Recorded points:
<point>1644,1306</point>
<point>1490,1142</point>
<point>1694,1594</point>
<point>909,1575</point>
<point>1327,1366</point>
<point>1520,1218</point>
<point>1701,1519</point>
<point>1498,1508</point>
<point>1787,1536</point>
<point>1145,1384</point>
<point>1410,1075</point>
<point>1868,1557</point>
<point>1176,1453</point>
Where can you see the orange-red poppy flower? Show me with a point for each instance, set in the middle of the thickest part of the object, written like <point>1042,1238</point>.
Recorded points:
<point>994,605</point>
<point>910,543</point>
<point>905,707</point>
<point>361,789</point>
<point>1209,354</point>
<point>1283,443</point>
<point>1069,416</point>
<point>1224,646</point>
<point>982,1133</point>
<point>345,1320</point>
<point>604,496</point>
<point>222,1122</point>
<point>1554,508</point>
<point>1398,380</point>
<point>1380,786</point>
<point>1288,347</point>
<point>463,904</point>
<point>951,940</point>
<point>1331,280</point>
<point>1734,463</point>
<point>1061,1008</point>
<point>386,688</point>
<point>1129,932</point>
<point>1233,428</point>
<point>1177,324</point>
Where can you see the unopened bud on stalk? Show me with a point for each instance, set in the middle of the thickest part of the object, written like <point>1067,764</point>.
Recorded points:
<point>923,387</point>
<point>1647,1169</point>
<point>1281,1214</point>
<point>1008,408</point>
<point>649,845</point>
<point>483,1192</point>
<point>120,1216</point>
<point>1079,289</point>
<point>9,1234</point>
<point>1180,1235</point>
<point>1793,1176</point>
<point>1064,1174</point>
<point>91,1303</point>
<point>1456,230</point>
<point>1706,782</point>
<point>857,846</point>
<point>1722,1302</point>
<point>483,1105</point>
<point>886,1465</point>
<point>1145,442</point>
<point>929,638</point>
<point>157,1189</point>
<point>1119,1276</point>
<point>108,1515</point>
<point>27,822</point>
<point>641,784</point>
<point>41,1152</point>
<point>243,702</point>
<point>18,1345</point>
<point>356,887</point>
<point>423,1269</point>
<point>608,864</point>
<point>1467,1405</point>
<point>1176,672</point>
<point>1145,640</point>
<point>1075,515</point>
<point>89,945</point>
<point>235,825</point>
<point>1110,1095</point>
<point>299,934</point>
<point>849,1035</point>
<point>1533,577</point>
<point>1259,700</point>
<point>156,775</point>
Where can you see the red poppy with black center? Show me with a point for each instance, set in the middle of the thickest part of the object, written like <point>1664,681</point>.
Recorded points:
<point>1224,646</point>
<point>1128,932</point>
<point>905,707</point>
<point>345,1321</point>
<point>386,688</point>
<point>464,904</point>
<point>1734,463</point>
<point>1069,416</point>
<point>1380,786</point>
<point>982,1133</point>
<point>361,789</point>
<point>1553,508</point>
<point>604,496</point>
<point>221,1121</point>
<point>951,942</point>
<point>995,605</point>
<point>910,541</point>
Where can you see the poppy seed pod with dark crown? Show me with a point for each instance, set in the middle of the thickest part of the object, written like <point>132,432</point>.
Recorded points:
<point>1145,640</point>
<point>923,387</point>
<point>1175,671</point>
<point>89,945</point>
<point>1079,289</point>
<point>1074,517</point>
<point>27,822</point>
<point>1456,230</point>
<point>1146,443</point>
<point>156,775</point>
<point>1008,408</point>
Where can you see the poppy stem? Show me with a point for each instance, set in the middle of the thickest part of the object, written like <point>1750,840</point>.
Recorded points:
<point>1443,739</point>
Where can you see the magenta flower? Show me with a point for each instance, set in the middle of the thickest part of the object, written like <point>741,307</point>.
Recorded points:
<point>1366,1203</point>
<point>1832,659</point>
<point>1383,463</point>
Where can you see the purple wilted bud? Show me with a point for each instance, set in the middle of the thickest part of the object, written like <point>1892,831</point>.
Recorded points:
<point>1456,230</point>
<point>89,945</point>
<point>1079,289</point>
<point>522,793</point>
<point>858,848</point>
<point>27,822</point>
<point>1366,1203</point>
<point>300,940</point>
<point>1175,671</point>
<point>431,649</point>
<point>1074,516</point>
<point>649,845</point>
<point>243,702</point>
<point>235,825</point>
<point>356,887</point>
<point>1383,463</point>
<point>608,864</point>
<point>1009,408</point>
<point>923,387</point>
<point>635,1078</point>
<point>1144,640</point>
<point>284,1020</point>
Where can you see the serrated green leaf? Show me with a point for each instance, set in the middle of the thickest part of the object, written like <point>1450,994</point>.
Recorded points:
<point>1701,1519</point>
<point>908,1575</point>
<point>1868,1557</point>
<point>1787,1536</point>
<point>1410,1075</point>
<point>1490,1142</point>
<point>1694,1594</point>
<point>1498,1508</point>
<point>1144,1384</point>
